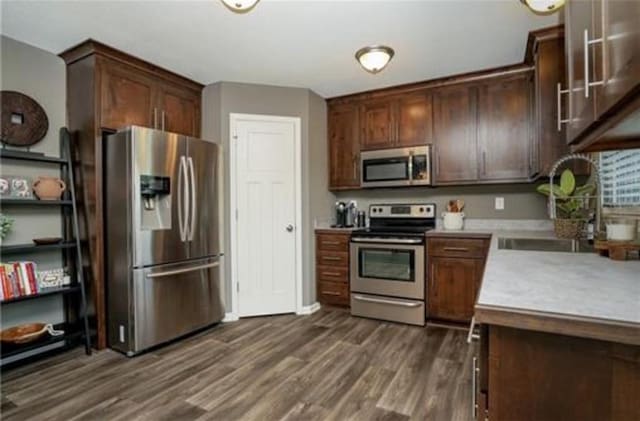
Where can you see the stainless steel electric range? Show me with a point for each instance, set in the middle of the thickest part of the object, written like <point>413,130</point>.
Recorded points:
<point>388,263</point>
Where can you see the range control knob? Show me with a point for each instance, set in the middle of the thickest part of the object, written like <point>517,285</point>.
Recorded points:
<point>374,210</point>
<point>421,210</point>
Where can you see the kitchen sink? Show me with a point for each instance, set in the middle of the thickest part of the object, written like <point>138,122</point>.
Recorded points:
<point>545,244</point>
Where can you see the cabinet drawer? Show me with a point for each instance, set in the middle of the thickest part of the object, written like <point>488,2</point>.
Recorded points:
<point>333,293</point>
<point>457,247</point>
<point>332,258</point>
<point>332,242</point>
<point>332,274</point>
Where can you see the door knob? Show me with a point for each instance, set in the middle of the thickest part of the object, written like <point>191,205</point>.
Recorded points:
<point>289,227</point>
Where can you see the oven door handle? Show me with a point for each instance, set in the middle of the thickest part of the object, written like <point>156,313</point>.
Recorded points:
<point>381,301</point>
<point>386,240</point>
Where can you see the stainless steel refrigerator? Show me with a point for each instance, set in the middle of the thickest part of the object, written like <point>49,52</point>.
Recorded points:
<point>162,237</point>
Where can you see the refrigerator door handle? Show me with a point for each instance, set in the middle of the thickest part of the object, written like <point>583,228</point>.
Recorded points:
<point>183,198</point>
<point>184,270</point>
<point>193,197</point>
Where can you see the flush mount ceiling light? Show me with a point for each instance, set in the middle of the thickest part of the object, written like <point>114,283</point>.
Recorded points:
<point>543,6</point>
<point>240,6</point>
<point>374,58</point>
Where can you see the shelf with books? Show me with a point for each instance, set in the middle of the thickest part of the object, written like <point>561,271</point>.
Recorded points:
<point>45,292</point>
<point>20,281</point>
<point>72,333</point>
<point>29,248</point>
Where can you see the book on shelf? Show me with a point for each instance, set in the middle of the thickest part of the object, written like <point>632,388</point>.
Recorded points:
<point>19,279</point>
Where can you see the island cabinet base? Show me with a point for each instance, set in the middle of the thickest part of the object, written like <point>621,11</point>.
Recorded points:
<point>529,375</point>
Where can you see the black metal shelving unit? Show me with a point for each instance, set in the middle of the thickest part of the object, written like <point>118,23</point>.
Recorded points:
<point>76,324</point>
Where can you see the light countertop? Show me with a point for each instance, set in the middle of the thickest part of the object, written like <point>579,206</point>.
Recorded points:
<point>579,294</point>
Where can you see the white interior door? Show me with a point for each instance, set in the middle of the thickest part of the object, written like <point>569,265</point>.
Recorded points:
<point>265,163</point>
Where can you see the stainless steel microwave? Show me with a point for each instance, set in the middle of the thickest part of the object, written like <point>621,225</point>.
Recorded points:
<point>396,167</point>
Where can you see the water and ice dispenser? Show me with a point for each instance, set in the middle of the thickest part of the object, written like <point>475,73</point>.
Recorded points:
<point>156,202</point>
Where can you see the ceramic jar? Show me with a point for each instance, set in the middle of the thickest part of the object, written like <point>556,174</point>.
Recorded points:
<point>49,188</point>
<point>453,220</point>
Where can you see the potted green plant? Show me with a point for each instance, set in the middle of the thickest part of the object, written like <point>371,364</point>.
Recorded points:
<point>6,224</point>
<point>572,204</point>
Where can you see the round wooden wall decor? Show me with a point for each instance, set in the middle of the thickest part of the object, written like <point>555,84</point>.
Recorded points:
<point>24,122</point>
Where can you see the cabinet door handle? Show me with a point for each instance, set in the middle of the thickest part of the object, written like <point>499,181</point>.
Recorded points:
<point>331,243</point>
<point>331,273</point>
<point>484,162</point>
<point>587,44</point>
<point>356,158</point>
<point>433,280</point>
<point>559,92</point>
<point>331,258</point>
<point>155,118</point>
<point>336,294</point>
<point>163,114</point>
<point>457,249</point>
<point>474,386</point>
<point>437,163</point>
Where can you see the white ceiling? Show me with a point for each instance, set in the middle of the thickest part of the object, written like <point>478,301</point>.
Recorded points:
<point>290,43</point>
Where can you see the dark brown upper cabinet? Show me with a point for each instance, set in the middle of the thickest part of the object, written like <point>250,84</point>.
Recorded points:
<point>131,96</point>
<point>178,110</point>
<point>581,109</point>
<point>399,121</point>
<point>344,146</point>
<point>377,124</point>
<point>504,128</point>
<point>128,97</point>
<point>602,45</point>
<point>545,51</point>
<point>414,116</point>
<point>455,152</point>
<point>620,57</point>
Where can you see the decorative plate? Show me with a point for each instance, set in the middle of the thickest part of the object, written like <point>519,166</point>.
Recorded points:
<point>47,240</point>
<point>29,332</point>
<point>23,334</point>
<point>24,122</point>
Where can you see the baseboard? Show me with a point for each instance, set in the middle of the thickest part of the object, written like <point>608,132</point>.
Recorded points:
<point>309,309</point>
<point>230,317</point>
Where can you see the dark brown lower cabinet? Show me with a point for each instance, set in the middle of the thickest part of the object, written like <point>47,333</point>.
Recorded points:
<point>454,272</point>
<point>453,288</point>
<point>332,267</point>
<point>526,375</point>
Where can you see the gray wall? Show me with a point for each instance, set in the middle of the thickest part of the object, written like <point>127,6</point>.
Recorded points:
<point>520,200</point>
<point>223,98</point>
<point>41,75</point>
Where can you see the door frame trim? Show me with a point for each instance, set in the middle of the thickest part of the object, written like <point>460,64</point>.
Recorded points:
<point>234,119</point>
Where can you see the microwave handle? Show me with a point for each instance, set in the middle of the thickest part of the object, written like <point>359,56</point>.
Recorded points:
<point>410,167</point>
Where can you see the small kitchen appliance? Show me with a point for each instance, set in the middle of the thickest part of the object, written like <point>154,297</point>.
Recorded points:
<point>346,215</point>
<point>388,263</point>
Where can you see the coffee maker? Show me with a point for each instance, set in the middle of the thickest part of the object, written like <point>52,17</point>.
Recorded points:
<point>345,214</point>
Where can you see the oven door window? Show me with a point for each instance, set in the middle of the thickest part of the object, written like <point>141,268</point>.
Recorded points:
<point>388,169</point>
<point>388,264</point>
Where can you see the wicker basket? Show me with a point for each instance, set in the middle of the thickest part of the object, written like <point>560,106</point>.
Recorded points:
<point>571,229</point>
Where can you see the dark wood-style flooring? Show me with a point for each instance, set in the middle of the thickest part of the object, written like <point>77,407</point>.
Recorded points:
<point>328,365</point>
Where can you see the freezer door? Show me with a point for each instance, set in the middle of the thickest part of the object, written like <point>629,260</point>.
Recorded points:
<point>159,166</point>
<point>204,225</point>
<point>173,300</point>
